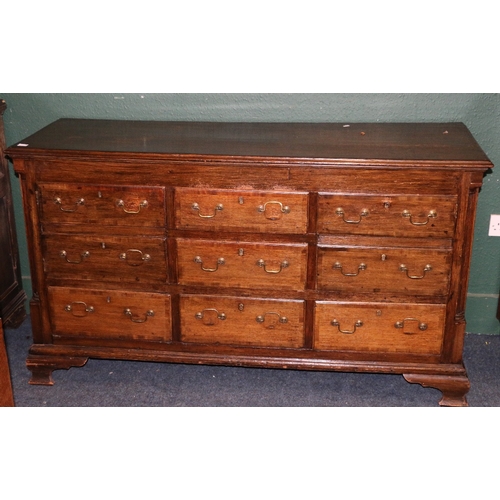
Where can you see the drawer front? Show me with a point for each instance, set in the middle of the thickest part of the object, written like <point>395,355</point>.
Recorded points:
<point>381,327</point>
<point>382,270</point>
<point>112,314</point>
<point>257,211</point>
<point>121,259</point>
<point>419,216</point>
<point>243,265</point>
<point>242,321</point>
<point>105,205</point>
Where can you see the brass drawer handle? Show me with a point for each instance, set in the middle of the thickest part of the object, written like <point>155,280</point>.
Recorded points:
<point>272,324</point>
<point>401,324</point>
<point>404,269</point>
<point>142,204</point>
<point>78,203</point>
<point>431,215</point>
<point>283,265</point>
<point>273,215</point>
<point>83,255</point>
<point>144,257</point>
<point>135,319</point>
<point>81,310</point>
<point>210,317</point>
<point>336,323</point>
<point>361,267</point>
<point>220,261</point>
<point>363,213</point>
<point>196,208</point>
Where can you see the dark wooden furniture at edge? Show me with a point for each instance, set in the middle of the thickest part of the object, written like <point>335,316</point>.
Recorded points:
<point>12,296</point>
<point>341,247</point>
<point>6,395</point>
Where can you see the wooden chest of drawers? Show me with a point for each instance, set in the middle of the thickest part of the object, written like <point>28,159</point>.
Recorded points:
<point>302,246</point>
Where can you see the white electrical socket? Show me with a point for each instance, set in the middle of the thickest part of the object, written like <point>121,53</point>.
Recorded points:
<point>494,225</point>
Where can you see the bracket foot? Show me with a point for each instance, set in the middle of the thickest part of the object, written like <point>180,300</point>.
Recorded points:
<point>453,387</point>
<point>41,367</point>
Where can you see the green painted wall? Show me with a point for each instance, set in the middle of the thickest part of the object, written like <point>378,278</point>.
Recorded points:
<point>26,113</point>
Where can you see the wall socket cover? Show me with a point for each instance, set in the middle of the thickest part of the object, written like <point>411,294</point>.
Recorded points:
<point>494,225</point>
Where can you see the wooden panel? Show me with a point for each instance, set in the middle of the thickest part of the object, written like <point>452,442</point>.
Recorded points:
<point>240,264</point>
<point>409,328</point>
<point>242,321</point>
<point>9,261</point>
<point>382,180</point>
<point>12,296</point>
<point>233,210</point>
<point>106,205</point>
<point>410,216</point>
<point>405,271</point>
<point>160,171</point>
<point>6,395</point>
<point>106,314</point>
<point>92,257</point>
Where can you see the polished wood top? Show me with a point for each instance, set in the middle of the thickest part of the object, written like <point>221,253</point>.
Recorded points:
<point>403,142</point>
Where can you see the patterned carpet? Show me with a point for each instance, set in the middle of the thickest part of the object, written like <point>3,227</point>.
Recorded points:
<point>103,383</point>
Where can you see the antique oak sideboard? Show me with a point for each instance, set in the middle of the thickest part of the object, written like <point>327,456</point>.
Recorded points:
<point>341,247</point>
